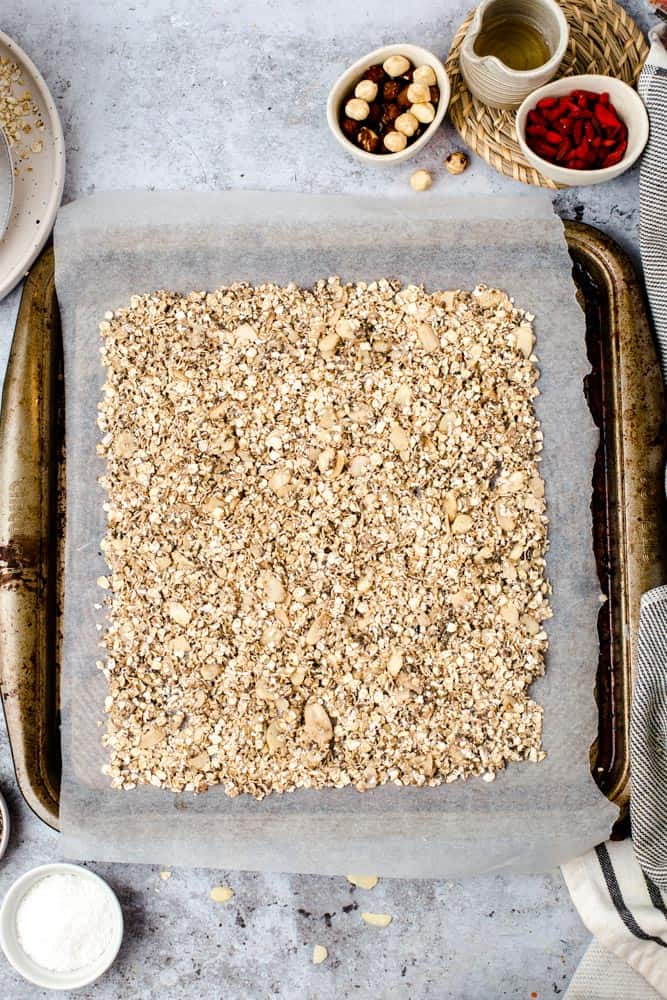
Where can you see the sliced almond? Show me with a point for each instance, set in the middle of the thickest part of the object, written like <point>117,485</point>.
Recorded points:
<point>152,737</point>
<point>395,663</point>
<point>525,339</point>
<point>221,894</point>
<point>451,505</point>
<point>376,919</point>
<point>399,438</point>
<point>320,954</point>
<point>509,613</point>
<point>317,723</point>
<point>427,337</point>
<point>462,523</point>
<point>363,881</point>
<point>178,613</point>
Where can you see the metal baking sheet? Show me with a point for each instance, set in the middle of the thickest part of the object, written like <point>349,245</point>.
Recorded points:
<point>626,399</point>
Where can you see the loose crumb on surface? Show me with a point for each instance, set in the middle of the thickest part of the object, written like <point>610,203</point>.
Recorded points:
<point>326,537</point>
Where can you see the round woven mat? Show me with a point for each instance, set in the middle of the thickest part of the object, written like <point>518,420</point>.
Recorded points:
<point>603,39</point>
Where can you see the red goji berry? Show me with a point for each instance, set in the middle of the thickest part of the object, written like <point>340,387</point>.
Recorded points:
<point>547,102</point>
<point>553,138</point>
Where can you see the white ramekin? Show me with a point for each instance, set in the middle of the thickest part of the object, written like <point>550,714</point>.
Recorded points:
<point>344,86</point>
<point>22,963</point>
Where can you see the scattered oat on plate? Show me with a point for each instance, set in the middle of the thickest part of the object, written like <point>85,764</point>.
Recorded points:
<point>326,537</point>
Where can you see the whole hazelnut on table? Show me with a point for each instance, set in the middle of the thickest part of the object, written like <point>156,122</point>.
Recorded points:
<point>368,139</point>
<point>366,89</point>
<point>418,93</point>
<point>421,180</point>
<point>396,65</point>
<point>425,74</point>
<point>407,124</point>
<point>456,162</point>
<point>424,113</point>
<point>395,142</point>
<point>357,109</point>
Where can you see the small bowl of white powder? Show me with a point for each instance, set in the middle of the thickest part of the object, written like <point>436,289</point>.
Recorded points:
<point>61,926</point>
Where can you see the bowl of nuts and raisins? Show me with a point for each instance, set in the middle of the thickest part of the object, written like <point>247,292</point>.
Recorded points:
<point>388,104</point>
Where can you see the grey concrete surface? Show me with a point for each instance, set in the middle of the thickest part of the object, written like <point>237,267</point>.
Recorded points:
<point>213,95</point>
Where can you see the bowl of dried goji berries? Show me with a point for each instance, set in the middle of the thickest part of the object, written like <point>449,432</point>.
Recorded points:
<point>582,129</point>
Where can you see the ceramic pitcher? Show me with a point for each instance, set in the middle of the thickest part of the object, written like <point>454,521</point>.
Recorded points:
<point>489,79</point>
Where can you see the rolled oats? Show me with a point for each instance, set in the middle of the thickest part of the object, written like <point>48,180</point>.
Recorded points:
<point>326,537</point>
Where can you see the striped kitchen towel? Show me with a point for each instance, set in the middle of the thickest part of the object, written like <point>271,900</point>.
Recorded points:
<point>627,914</point>
<point>620,888</point>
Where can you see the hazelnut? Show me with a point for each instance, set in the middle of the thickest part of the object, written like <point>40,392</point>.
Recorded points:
<point>456,162</point>
<point>368,139</point>
<point>395,142</point>
<point>418,93</point>
<point>375,73</point>
<point>349,127</point>
<point>403,98</point>
<point>424,113</point>
<point>421,180</point>
<point>407,124</point>
<point>390,113</point>
<point>396,65</point>
<point>391,90</point>
<point>357,109</point>
<point>367,90</point>
<point>424,74</point>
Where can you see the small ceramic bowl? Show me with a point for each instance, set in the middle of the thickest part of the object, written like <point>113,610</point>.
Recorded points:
<point>6,183</point>
<point>629,106</point>
<point>36,973</point>
<point>4,822</point>
<point>344,87</point>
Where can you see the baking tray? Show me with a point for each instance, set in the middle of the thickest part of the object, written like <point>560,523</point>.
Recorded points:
<point>625,394</point>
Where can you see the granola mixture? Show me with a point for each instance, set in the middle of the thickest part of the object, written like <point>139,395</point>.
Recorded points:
<point>20,117</point>
<point>326,537</point>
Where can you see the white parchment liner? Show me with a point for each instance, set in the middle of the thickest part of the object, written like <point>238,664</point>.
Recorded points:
<point>531,817</point>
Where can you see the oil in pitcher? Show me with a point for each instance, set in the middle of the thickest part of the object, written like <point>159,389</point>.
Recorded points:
<point>516,41</point>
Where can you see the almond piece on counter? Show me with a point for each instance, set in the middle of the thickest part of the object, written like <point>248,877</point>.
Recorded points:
<point>363,881</point>
<point>320,954</point>
<point>376,919</point>
<point>221,894</point>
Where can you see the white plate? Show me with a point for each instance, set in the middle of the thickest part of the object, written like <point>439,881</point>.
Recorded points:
<point>37,192</point>
<point>6,183</point>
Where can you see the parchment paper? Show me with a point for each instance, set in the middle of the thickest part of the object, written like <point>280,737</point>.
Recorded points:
<point>532,816</point>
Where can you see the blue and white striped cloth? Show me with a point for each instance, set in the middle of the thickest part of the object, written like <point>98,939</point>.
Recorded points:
<point>620,889</point>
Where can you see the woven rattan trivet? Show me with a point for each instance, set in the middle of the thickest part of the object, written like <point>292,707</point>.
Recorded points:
<point>603,39</point>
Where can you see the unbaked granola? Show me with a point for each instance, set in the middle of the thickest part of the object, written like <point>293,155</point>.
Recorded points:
<point>326,537</point>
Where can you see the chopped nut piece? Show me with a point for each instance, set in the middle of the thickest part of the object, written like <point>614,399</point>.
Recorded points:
<point>329,344</point>
<point>363,881</point>
<point>274,589</point>
<point>427,338</point>
<point>320,954</point>
<point>178,613</point>
<point>317,723</point>
<point>461,524</point>
<point>399,438</point>
<point>376,919</point>
<point>525,340</point>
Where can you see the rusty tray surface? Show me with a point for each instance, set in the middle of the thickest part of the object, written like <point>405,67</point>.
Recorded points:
<point>625,394</point>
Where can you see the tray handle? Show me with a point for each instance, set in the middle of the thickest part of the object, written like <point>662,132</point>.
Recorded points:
<point>29,528</point>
